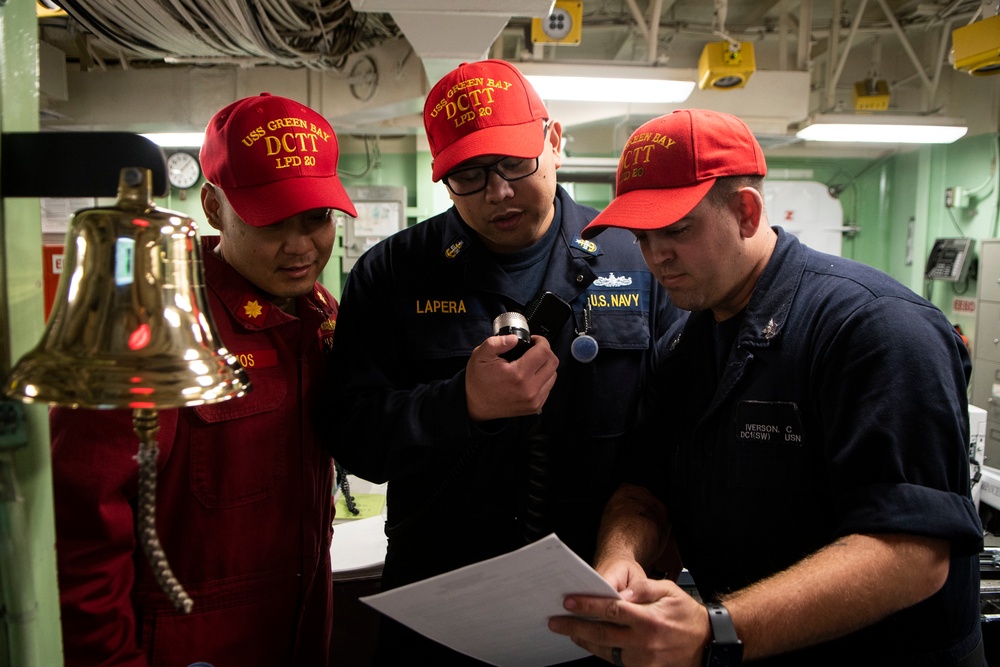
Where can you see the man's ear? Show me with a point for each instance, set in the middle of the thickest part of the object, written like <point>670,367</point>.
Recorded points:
<point>554,139</point>
<point>211,205</point>
<point>751,210</point>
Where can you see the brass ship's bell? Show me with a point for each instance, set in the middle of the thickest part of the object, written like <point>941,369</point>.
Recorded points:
<point>130,326</point>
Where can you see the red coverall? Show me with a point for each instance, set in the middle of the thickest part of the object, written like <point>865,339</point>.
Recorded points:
<point>243,506</point>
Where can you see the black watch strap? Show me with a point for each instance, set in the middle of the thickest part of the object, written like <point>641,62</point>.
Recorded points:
<point>725,649</point>
<point>723,630</point>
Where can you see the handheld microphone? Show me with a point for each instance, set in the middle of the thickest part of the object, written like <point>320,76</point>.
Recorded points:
<point>517,324</point>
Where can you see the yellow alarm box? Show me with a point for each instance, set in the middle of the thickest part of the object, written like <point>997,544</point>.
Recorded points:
<point>871,95</point>
<point>563,25</point>
<point>725,65</point>
<point>977,47</point>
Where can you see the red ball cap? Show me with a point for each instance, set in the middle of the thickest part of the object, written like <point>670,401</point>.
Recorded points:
<point>670,163</point>
<point>482,108</point>
<point>273,158</point>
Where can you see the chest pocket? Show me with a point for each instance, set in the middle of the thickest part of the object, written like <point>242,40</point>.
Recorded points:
<point>440,331</point>
<point>615,311</point>
<point>768,449</point>
<point>239,447</point>
<point>443,338</point>
<point>617,306</point>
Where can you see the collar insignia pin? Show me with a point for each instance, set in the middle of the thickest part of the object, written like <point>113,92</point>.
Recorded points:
<point>770,330</point>
<point>452,251</point>
<point>252,309</point>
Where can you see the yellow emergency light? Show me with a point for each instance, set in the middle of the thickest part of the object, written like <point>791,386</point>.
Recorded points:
<point>976,47</point>
<point>725,65</point>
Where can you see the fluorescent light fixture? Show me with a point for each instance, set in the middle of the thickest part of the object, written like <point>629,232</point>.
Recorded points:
<point>609,83</point>
<point>176,139</point>
<point>599,89</point>
<point>881,129</point>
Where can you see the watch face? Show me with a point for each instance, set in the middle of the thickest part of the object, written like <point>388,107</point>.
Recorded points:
<point>182,170</point>
<point>724,655</point>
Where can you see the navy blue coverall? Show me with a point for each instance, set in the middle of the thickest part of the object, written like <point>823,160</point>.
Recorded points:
<point>840,409</point>
<point>413,309</point>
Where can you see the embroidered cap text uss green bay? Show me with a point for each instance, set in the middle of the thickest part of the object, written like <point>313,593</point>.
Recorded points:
<point>273,158</point>
<point>482,108</point>
<point>670,163</point>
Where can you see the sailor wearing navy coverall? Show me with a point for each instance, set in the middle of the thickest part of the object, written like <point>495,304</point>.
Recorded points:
<point>791,456</point>
<point>815,468</point>
<point>413,311</point>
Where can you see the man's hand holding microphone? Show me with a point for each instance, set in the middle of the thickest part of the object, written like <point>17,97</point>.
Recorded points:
<point>511,373</point>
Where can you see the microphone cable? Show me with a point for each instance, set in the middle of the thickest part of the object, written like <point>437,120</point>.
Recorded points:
<point>537,521</point>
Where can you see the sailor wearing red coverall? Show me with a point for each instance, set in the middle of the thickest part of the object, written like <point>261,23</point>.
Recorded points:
<point>244,486</point>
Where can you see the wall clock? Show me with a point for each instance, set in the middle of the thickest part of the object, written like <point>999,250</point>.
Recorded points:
<point>183,170</point>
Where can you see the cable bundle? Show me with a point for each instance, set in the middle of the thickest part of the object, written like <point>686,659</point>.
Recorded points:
<point>319,34</point>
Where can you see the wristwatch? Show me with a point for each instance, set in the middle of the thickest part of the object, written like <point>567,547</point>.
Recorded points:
<point>725,649</point>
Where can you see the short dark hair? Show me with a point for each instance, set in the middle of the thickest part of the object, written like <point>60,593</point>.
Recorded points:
<point>726,186</point>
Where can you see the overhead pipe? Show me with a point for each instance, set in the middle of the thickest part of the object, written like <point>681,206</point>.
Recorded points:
<point>805,34</point>
<point>783,36</point>
<point>832,46</point>
<point>832,85</point>
<point>722,11</point>
<point>943,41</point>
<point>637,16</point>
<point>649,30</point>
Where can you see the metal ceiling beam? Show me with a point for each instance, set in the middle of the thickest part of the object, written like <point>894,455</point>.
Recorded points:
<point>653,38</point>
<point>906,45</point>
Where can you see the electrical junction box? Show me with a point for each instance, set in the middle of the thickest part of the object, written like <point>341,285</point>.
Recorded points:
<point>563,25</point>
<point>976,47</point>
<point>871,95</point>
<point>381,213</point>
<point>957,197</point>
<point>725,66</point>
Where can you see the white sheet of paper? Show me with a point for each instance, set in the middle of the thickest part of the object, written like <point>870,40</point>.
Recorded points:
<point>497,611</point>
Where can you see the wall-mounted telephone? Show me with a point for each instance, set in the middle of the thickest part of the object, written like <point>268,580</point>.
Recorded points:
<point>949,259</point>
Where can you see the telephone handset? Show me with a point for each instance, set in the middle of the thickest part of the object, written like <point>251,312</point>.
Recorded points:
<point>949,259</point>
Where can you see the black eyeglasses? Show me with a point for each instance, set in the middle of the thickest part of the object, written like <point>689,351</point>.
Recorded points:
<point>469,181</point>
<point>474,179</point>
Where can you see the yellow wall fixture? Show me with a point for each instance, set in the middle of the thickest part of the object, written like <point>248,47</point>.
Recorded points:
<point>976,47</point>
<point>563,25</point>
<point>871,95</point>
<point>882,129</point>
<point>725,65</point>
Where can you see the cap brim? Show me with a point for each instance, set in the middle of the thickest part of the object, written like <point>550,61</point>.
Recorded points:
<point>263,205</point>
<point>525,141</point>
<point>652,208</point>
